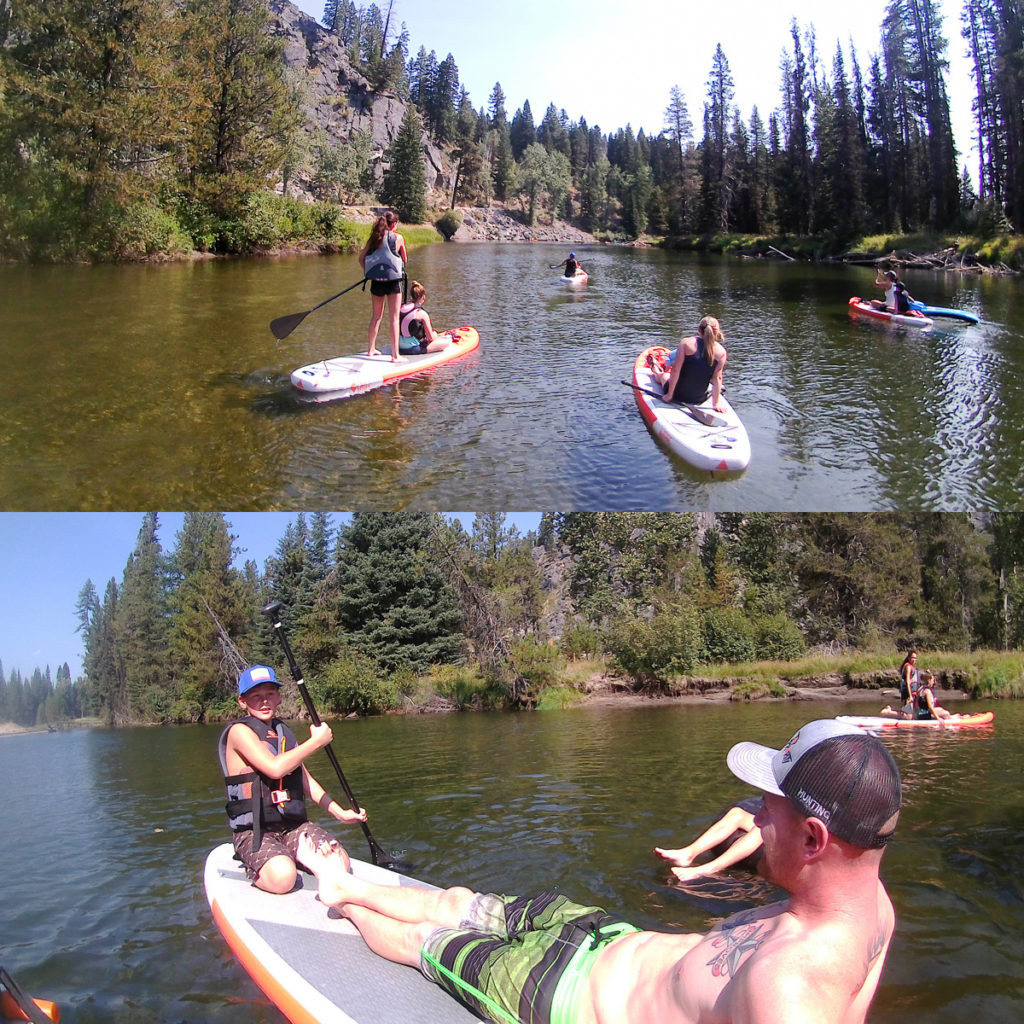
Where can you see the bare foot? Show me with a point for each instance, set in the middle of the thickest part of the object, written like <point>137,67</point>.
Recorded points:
<point>399,359</point>
<point>686,874</point>
<point>681,857</point>
<point>373,352</point>
<point>323,860</point>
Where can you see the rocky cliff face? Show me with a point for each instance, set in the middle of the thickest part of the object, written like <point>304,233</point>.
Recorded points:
<point>339,101</point>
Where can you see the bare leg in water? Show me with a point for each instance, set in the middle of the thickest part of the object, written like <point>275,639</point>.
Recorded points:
<point>734,819</point>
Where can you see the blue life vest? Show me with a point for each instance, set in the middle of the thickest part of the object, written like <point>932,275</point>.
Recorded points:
<point>384,263</point>
<point>257,810</point>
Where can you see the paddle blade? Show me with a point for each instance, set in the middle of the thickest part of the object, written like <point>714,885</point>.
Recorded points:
<point>709,419</point>
<point>284,325</point>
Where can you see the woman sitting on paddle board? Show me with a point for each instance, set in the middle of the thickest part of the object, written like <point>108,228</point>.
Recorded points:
<point>383,261</point>
<point>697,367</point>
<point>417,333</point>
<point>267,786</point>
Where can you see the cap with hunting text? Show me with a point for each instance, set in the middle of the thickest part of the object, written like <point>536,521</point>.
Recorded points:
<point>832,771</point>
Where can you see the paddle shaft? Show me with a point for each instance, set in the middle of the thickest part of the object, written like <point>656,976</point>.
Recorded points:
<point>16,1003</point>
<point>380,858</point>
<point>284,325</point>
<point>708,419</point>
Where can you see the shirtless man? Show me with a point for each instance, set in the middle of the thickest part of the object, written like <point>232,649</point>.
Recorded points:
<point>832,799</point>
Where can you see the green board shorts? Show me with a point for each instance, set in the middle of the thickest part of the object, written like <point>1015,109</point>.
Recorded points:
<point>522,959</point>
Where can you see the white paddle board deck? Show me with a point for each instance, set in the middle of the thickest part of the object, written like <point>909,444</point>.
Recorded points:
<point>883,722</point>
<point>722,446</point>
<point>313,965</point>
<point>343,376</point>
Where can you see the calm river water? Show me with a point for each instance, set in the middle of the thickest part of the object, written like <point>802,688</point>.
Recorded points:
<point>102,849</point>
<point>162,387</point>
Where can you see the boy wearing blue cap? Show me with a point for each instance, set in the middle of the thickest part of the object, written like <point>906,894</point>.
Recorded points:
<point>268,786</point>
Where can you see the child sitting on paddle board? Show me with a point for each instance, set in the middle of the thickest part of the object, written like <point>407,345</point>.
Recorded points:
<point>417,333</point>
<point>268,785</point>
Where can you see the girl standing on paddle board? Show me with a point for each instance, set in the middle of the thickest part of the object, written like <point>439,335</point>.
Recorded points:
<point>698,365</point>
<point>383,261</point>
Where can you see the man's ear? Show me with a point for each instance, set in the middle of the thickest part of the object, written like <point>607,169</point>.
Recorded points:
<point>816,837</point>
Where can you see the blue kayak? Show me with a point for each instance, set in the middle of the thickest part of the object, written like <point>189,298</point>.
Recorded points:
<point>955,314</point>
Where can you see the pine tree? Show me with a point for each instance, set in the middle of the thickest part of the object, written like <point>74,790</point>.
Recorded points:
<point>207,594</point>
<point>522,131</point>
<point>391,600</point>
<point>405,180</point>
<point>141,628</point>
<point>717,115</point>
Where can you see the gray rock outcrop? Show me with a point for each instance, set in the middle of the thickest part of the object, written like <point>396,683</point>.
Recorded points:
<point>339,101</point>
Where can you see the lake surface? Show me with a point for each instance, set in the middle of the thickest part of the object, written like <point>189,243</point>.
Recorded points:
<point>162,387</point>
<point>103,847</point>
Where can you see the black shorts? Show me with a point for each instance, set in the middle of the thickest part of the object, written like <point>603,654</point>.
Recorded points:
<point>385,287</point>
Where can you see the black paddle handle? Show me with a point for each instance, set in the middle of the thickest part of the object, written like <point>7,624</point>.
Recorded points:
<point>271,611</point>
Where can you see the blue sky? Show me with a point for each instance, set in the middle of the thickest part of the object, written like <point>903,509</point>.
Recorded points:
<point>614,63</point>
<point>46,557</point>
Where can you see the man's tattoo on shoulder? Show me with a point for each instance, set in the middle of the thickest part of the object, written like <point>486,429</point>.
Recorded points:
<point>740,935</point>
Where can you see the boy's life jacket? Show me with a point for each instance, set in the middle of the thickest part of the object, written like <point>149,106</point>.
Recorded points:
<point>271,803</point>
<point>384,263</point>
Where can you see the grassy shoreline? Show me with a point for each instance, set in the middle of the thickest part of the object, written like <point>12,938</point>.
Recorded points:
<point>988,253</point>
<point>969,675</point>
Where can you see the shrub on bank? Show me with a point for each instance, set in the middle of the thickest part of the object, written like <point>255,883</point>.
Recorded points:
<point>449,223</point>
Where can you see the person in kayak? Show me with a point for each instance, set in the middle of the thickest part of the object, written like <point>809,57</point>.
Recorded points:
<point>832,797</point>
<point>417,333</point>
<point>696,367</point>
<point>268,785</point>
<point>572,265</point>
<point>383,262</point>
<point>897,298</point>
<point>734,838</point>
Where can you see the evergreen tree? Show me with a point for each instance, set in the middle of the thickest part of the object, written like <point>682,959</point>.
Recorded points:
<point>207,597</point>
<point>391,600</point>
<point>240,113</point>
<point>522,131</point>
<point>717,118</point>
<point>405,180</point>
<point>444,97</point>
<point>87,121</point>
<point>678,126</point>
<point>141,628</point>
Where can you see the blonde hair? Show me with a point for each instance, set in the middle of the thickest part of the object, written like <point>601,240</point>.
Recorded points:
<point>711,331</point>
<point>417,292</point>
